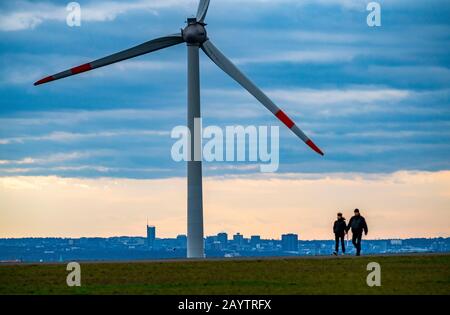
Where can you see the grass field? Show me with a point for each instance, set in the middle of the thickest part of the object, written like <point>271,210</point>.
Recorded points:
<point>428,274</point>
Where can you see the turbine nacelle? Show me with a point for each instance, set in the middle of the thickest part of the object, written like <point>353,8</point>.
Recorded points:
<point>194,32</point>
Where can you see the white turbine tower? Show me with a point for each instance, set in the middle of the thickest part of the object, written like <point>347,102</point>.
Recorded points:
<point>194,35</point>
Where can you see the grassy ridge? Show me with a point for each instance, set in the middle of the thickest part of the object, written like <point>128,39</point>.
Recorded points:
<point>399,275</point>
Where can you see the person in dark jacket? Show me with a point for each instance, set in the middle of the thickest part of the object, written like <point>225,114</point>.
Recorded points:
<point>358,225</point>
<point>339,230</point>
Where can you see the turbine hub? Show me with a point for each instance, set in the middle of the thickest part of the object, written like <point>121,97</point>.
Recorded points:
<point>194,32</point>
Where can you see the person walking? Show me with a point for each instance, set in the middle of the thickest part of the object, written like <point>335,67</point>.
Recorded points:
<point>339,230</point>
<point>358,225</point>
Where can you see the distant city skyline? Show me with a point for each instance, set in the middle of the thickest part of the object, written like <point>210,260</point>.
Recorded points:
<point>222,244</point>
<point>91,155</point>
<point>137,248</point>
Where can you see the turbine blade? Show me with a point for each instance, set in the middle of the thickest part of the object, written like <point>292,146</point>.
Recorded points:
<point>202,10</point>
<point>147,47</point>
<point>228,67</point>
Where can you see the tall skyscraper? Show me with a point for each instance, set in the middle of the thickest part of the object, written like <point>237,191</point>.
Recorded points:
<point>151,235</point>
<point>289,242</point>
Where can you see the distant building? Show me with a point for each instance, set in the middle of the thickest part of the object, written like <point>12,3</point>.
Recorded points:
<point>209,241</point>
<point>223,239</point>
<point>182,241</point>
<point>255,241</point>
<point>216,245</point>
<point>151,236</point>
<point>238,239</point>
<point>289,242</point>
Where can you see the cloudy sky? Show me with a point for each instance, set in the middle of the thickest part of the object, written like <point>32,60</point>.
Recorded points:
<point>376,100</point>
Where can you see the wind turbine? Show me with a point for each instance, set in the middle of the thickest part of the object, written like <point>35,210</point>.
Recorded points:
<point>195,36</point>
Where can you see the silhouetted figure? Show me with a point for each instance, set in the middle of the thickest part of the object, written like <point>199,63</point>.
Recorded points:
<point>358,224</point>
<point>339,230</point>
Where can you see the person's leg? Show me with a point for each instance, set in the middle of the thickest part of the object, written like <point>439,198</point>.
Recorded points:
<point>359,243</point>
<point>343,243</point>
<point>336,246</point>
<point>354,241</point>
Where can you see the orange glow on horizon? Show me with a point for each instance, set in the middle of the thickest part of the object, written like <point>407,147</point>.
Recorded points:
<point>402,204</point>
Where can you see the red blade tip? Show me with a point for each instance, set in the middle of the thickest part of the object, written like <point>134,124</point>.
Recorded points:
<point>314,147</point>
<point>44,80</point>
